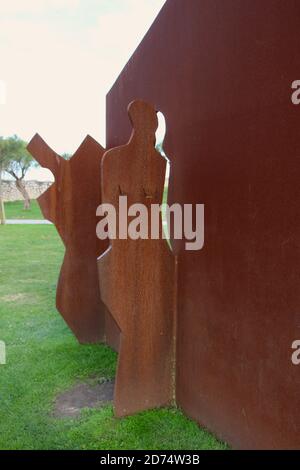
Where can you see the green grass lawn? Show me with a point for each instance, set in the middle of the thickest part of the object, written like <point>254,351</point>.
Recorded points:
<point>15,210</point>
<point>44,359</point>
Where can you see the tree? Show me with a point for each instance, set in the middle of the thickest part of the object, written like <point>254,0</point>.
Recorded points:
<point>3,158</point>
<point>17,161</point>
<point>2,212</point>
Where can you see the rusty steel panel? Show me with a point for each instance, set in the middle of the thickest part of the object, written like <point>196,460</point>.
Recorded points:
<point>137,277</point>
<point>221,72</point>
<point>71,203</point>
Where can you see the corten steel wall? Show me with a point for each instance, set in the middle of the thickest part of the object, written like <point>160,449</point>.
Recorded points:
<point>221,72</point>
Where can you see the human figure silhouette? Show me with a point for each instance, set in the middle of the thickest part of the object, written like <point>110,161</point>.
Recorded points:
<point>71,203</point>
<point>137,277</point>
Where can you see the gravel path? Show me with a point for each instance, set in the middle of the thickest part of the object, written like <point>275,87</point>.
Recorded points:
<point>27,222</point>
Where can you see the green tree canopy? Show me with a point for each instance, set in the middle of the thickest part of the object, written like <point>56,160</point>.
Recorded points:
<point>16,161</point>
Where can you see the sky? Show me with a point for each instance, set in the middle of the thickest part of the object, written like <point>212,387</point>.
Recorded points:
<point>58,59</point>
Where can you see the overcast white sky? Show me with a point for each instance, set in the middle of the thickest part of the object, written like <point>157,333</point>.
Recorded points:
<point>58,59</point>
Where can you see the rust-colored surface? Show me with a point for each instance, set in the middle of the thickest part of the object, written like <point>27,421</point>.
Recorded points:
<point>71,203</point>
<point>221,72</point>
<point>137,276</point>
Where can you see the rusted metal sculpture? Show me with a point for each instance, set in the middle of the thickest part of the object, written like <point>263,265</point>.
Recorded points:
<point>225,91</point>
<point>71,204</point>
<point>137,277</point>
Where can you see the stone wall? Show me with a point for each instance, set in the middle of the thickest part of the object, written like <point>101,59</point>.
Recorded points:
<point>34,188</point>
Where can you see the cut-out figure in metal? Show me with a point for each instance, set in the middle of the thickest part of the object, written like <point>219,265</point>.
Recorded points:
<point>71,204</point>
<point>137,277</point>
